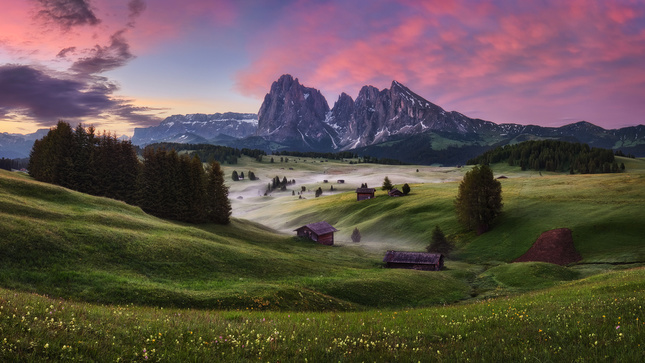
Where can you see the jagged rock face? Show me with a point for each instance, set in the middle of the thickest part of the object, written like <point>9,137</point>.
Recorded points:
<point>238,125</point>
<point>341,114</point>
<point>378,116</point>
<point>295,114</point>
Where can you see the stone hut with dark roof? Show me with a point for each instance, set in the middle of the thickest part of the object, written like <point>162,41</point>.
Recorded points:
<point>365,193</point>
<point>414,260</point>
<point>321,232</point>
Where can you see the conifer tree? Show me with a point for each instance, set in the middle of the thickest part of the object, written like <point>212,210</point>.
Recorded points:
<point>479,199</point>
<point>356,235</point>
<point>405,189</point>
<point>387,185</point>
<point>439,243</point>
<point>235,177</point>
<point>217,204</point>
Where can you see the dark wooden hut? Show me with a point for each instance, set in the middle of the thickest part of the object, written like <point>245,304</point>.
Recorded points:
<point>321,232</point>
<point>414,260</point>
<point>395,193</point>
<point>365,193</point>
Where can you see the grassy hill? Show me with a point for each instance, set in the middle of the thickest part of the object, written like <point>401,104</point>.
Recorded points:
<point>63,243</point>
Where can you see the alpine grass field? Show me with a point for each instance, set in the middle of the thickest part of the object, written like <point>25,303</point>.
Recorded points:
<point>88,278</point>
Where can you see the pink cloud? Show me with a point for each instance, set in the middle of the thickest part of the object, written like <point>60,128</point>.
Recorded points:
<point>457,52</point>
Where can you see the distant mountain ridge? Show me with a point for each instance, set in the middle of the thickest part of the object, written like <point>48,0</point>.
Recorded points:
<point>390,123</point>
<point>197,128</point>
<point>17,146</point>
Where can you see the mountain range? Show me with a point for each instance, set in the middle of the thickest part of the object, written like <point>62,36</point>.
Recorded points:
<point>391,123</point>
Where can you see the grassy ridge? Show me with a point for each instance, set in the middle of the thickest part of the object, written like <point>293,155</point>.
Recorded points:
<point>599,318</point>
<point>68,244</point>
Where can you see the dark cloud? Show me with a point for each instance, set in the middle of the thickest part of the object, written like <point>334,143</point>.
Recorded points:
<point>136,7</point>
<point>63,53</point>
<point>68,13</point>
<point>33,92</point>
<point>115,55</point>
<point>46,98</point>
<point>81,93</point>
<point>134,114</point>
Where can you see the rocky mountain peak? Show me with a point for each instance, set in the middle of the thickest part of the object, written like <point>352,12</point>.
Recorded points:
<point>294,114</point>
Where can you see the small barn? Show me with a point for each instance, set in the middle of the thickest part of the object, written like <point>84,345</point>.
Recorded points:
<point>414,260</point>
<point>395,193</point>
<point>365,193</point>
<point>321,232</point>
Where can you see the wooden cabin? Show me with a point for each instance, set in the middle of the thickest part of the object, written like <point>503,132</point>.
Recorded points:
<point>414,260</point>
<point>321,232</point>
<point>395,193</point>
<point>365,193</point>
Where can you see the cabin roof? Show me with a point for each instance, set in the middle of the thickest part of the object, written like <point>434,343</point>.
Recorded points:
<point>417,258</point>
<point>365,190</point>
<point>320,228</point>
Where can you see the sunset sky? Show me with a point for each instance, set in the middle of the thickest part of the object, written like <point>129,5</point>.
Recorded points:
<point>121,64</point>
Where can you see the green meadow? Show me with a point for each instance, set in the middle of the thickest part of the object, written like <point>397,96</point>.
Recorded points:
<point>90,278</point>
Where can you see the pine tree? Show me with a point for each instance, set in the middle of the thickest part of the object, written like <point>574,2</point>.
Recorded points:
<point>479,200</point>
<point>439,242</point>
<point>234,176</point>
<point>356,235</point>
<point>405,189</point>
<point>387,185</point>
<point>217,204</point>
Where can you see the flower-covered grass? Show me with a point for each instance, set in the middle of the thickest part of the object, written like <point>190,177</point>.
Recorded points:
<point>599,318</point>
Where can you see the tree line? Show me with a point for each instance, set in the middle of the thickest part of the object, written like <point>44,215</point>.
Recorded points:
<point>553,155</point>
<point>209,153</point>
<point>312,154</point>
<point>164,184</point>
<point>8,164</point>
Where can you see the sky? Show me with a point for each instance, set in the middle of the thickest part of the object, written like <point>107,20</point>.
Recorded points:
<point>121,64</point>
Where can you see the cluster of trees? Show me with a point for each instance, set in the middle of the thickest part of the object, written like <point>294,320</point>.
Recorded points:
<point>79,159</point>
<point>8,164</point>
<point>164,184</point>
<point>552,155</point>
<point>209,153</point>
<point>277,183</point>
<point>177,187</point>
<point>237,177</point>
<point>311,154</point>
<point>621,153</point>
<point>383,161</point>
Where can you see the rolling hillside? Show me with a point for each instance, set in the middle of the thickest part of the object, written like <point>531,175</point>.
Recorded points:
<point>63,243</point>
